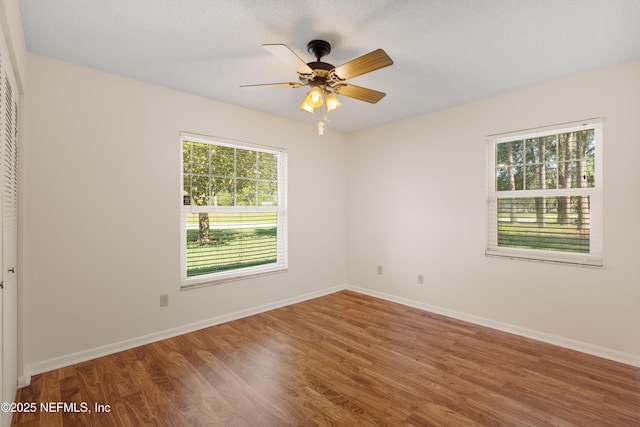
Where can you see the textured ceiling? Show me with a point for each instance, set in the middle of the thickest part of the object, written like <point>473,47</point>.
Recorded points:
<point>446,52</point>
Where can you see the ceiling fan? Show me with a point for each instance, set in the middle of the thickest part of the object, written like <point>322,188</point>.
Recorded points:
<point>327,80</point>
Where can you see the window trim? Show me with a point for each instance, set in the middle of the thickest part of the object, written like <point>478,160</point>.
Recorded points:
<point>595,256</point>
<point>281,265</point>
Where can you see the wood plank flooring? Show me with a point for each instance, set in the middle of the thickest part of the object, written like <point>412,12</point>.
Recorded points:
<point>345,359</point>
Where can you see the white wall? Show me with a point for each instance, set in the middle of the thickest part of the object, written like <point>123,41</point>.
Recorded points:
<point>417,204</point>
<point>101,210</point>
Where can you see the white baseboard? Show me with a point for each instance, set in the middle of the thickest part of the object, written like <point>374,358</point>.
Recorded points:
<point>580,346</point>
<point>24,380</point>
<point>82,356</point>
<point>92,353</point>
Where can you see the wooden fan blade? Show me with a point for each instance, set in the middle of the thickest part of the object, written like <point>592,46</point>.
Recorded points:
<point>365,64</point>
<point>288,84</point>
<point>359,93</point>
<point>286,55</point>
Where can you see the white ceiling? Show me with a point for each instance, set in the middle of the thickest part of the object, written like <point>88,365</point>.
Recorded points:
<point>445,52</point>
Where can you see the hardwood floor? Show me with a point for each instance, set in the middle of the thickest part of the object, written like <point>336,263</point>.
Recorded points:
<point>341,360</point>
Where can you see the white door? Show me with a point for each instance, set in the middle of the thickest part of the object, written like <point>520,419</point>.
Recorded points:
<point>2,396</point>
<point>9,185</point>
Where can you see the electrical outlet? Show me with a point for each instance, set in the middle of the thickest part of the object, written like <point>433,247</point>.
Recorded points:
<point>380,270</point>
<point>164,300</point>
<point>420,279</point>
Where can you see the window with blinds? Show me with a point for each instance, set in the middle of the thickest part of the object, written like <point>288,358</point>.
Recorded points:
<point>233,218</point>
<point>545,194</point>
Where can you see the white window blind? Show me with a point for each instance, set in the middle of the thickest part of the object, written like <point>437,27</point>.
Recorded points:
<point>234,210</point>
<point>545,194</point>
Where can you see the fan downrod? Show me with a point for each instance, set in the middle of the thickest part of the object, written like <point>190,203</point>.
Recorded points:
<point>319,48</point>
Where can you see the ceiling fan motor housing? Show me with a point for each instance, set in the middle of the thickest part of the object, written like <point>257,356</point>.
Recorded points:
<point>318,48</point>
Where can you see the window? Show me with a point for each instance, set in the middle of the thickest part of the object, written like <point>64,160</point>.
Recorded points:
<point>545,194</point>
<point>233,216</point>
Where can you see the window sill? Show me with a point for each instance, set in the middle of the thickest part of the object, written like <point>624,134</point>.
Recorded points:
<point>581,260</point>
<point>203,282</point>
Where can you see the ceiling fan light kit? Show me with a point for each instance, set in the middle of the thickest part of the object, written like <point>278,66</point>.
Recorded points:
<point>332,101</point>
<point>315,97</point>
<point>326,80</point>
<point>305,106</point>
